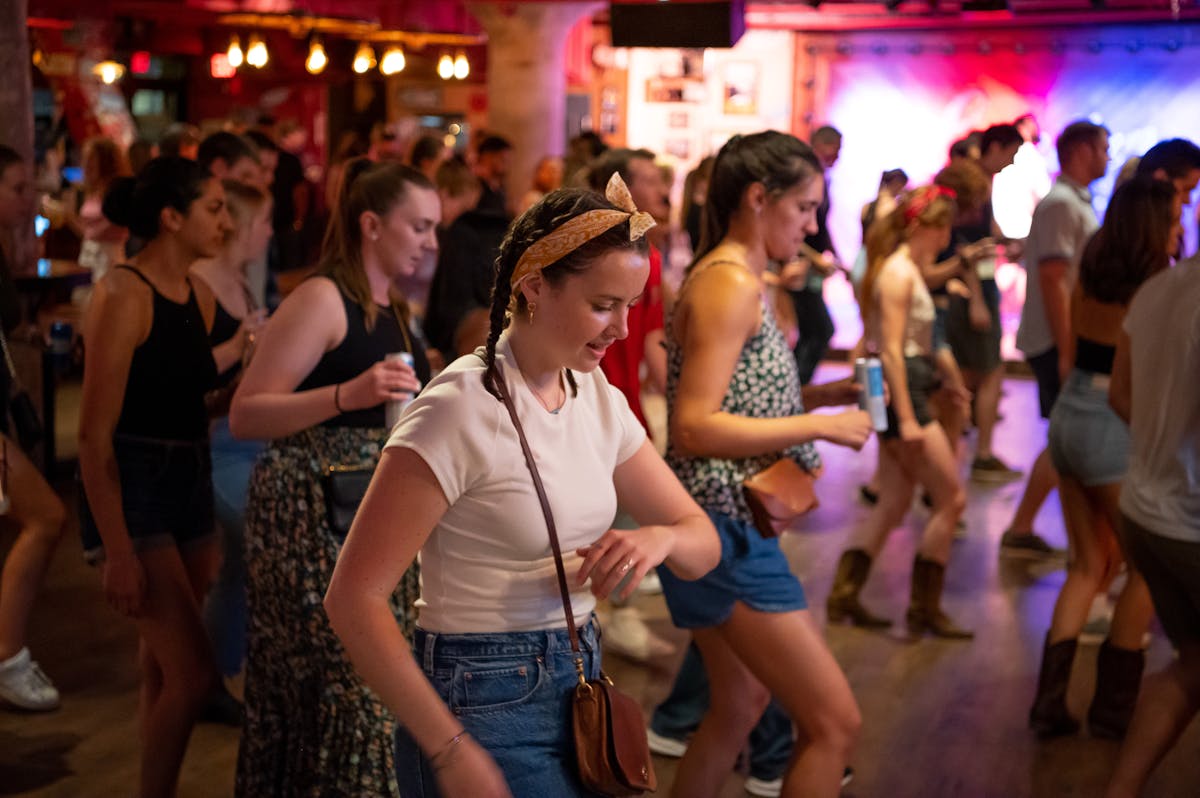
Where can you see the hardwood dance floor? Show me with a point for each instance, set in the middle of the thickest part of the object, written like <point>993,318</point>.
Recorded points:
<point>940,718</point>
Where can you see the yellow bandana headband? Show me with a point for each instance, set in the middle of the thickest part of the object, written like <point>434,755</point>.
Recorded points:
<point>583,228</point>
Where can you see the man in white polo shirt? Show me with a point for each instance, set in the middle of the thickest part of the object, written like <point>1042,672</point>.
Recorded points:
<point>1062,224</point>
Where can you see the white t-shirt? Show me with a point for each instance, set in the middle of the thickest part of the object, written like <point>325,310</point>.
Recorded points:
<point>1162,488</point>
<point>488,565</point>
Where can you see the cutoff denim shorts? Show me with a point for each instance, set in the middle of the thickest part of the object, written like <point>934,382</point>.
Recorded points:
<point>166,495</point>
<point>512,691</point>
<point>752,570</point>
<point>1088,441</point>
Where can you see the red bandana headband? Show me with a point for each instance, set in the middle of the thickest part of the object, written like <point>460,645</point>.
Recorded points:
<point>921,198</point>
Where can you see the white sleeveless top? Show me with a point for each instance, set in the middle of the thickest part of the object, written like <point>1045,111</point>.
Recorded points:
<point>918,328</point>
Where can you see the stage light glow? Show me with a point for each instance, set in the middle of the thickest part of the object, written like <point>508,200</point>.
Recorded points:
<point>234,55</point>
<point>316,61</point>
<point>364,58</point>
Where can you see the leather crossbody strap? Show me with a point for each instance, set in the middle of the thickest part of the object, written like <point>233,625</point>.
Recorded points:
<point>502,389</point>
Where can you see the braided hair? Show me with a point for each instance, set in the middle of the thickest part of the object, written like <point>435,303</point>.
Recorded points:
<point>551,212</point>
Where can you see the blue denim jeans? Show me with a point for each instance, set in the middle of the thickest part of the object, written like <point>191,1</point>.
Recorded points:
<point>512,691</point>
<point>225,609</point>
<point>771,741</point>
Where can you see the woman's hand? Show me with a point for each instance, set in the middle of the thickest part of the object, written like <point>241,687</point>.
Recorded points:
<point>248,331</point>
<point>851,428</point>
<point>125,583</point>
<point>471,773</point>
<point>386,381</point>
<point>620,553</point>
<point>912,435</point>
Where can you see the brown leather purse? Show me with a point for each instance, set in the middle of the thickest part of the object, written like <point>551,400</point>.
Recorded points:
<point>609,727</point>
<point>778,495</point>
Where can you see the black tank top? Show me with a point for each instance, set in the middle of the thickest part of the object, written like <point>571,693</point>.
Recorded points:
<point>225,326</point>
<point>170,373</point>
<point>357,352</point>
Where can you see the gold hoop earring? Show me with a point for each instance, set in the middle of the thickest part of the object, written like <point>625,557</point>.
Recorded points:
<point>532,308</point>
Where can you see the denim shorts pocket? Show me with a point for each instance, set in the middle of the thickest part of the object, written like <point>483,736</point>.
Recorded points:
<point>481,686</point>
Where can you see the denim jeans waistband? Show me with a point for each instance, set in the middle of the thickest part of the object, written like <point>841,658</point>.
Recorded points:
<point>433,646</point>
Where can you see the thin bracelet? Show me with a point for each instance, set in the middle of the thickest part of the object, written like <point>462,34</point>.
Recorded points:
<point>336,404</point>
<point>447,750</point>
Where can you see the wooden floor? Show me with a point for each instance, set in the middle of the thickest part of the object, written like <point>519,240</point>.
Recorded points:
<point>940,718</point>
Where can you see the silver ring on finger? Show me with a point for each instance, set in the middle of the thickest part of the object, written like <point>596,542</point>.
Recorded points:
<point>625,568</point>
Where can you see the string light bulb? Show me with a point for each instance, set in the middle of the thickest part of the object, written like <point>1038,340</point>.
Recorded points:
<point>109,72</point>
<point>234,54</point>
<point>446,66</point>
<point>364,58</point>
<point>256,53</point>
<point>462,67</point>
<point>316,61</point>
<point>392,61</point>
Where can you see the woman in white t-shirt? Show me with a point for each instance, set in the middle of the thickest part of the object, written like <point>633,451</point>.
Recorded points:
<point>483,697</point>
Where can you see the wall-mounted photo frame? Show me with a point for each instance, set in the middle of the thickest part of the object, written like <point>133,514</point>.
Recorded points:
<point>679,120</point>
<point>740,88</point>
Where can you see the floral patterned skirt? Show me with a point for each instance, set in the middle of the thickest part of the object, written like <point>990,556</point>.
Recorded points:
<point>312,727</point>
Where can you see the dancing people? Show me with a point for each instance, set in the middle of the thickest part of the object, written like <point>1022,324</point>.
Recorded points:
<point>1089,446</point>
<point>143,446</point>
<point>735,409</point>
<point>483,697</point>
<point>316,389</point>
<point>898,315</point>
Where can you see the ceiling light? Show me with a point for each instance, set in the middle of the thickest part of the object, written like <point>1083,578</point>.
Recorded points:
<point>364,58</point>
<point>462,67</point>
<point>446,66</point>
<point>256,52</point>
<point>392,61</point>
<point>109,72</point>
<point>316,61</point>
<point>234,54</point>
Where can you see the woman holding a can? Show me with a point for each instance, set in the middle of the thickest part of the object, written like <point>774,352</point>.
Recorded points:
<point>735,410</point>
<point>898,315</point>
<point>317,388</point>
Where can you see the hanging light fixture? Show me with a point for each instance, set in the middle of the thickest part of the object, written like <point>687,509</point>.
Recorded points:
<point>462,67</point>
<point>392,61</point>
<point>108,71</point>
<point>364,58</point>
<point>256,52</point>
<point>445,66</point>
<point>316,61</point>
<point>234,54</point>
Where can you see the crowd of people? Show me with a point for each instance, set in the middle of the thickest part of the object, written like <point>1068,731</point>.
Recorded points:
<point>245,389</point>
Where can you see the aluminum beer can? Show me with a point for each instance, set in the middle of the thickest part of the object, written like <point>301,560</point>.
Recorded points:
<point>395,407</point>
<point>868,372</point>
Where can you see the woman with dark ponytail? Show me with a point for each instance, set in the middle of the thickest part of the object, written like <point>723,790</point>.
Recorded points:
<point>483,697</point>
<point>143,446</point>
<point>317,388</point>
<point>735,409</point>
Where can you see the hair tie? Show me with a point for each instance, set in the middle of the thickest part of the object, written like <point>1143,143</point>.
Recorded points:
<point>576,232</point>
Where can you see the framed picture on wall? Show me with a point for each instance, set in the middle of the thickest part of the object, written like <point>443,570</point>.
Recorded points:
<point>674,90</point>
<point>740,79</point>
<point>679,148</point>
<point>678,120</point>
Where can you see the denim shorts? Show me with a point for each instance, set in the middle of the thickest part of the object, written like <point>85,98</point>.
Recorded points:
<point>1088,441</point>
<point>512,692</point>
<point>166,495</point>
<point>752,570</point>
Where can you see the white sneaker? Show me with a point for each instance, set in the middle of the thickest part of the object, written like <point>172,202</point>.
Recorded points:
<point>665,746</point>
<point>23,684</point>
<point>628,635</point>
<point>767,789</point>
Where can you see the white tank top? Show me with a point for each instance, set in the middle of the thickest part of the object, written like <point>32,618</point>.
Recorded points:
<point>918,328</point>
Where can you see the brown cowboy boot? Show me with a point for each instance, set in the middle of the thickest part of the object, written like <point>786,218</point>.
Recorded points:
<point>843,603</point>
<point>925,606</point>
